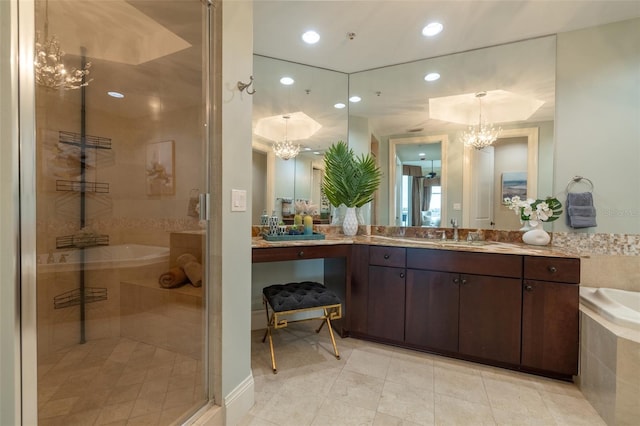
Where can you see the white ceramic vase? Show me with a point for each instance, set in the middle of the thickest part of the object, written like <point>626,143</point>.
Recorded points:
<point>537,236</point>
<point>350,223</point>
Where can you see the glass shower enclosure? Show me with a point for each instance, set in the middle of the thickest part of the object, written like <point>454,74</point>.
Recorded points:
<point>120,171</point>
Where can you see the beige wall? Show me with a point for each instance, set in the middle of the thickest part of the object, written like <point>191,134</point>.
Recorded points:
<point>597,125</point>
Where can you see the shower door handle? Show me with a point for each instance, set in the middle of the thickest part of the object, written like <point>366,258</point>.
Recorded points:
<point>203,200</point>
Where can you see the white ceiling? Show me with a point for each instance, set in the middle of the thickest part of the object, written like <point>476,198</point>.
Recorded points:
<point>389,31</point>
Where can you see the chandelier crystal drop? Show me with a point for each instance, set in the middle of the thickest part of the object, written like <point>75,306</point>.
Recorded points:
<point>484,134</point>
<point>49,67</point>
<point>286,149</point>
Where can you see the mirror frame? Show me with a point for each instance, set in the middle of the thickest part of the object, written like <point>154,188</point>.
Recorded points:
<point>532,135</point>
<point>393,142</point>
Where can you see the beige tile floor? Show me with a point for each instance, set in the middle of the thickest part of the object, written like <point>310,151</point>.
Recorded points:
<point>116,382</point>
<point>379,385</point>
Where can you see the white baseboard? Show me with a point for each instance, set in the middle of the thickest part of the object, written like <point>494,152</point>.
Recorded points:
<point>239,401</point>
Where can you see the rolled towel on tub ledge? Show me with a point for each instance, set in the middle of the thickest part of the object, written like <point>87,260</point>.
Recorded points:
<point>191,267</point>
<point>174,277</point>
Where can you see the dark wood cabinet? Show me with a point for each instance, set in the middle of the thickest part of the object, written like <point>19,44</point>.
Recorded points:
<point>490,309</point>
<point>502,309</point>
<point>431,318</point>
<point>550,315</point>
<point>358,297</point>
<point>385,314</point>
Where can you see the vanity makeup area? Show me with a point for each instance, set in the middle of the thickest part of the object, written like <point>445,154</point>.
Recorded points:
<point>494,301</point>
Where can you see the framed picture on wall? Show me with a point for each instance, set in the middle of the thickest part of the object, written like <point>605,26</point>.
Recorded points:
<point>160,168</point>
<point>514,183</point>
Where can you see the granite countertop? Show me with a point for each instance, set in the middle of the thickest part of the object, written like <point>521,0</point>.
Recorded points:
<point>416,242</point>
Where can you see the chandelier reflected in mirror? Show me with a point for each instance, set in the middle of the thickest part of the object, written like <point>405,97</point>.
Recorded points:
<point>286,149</point>
<point>49,67</point>
<point>484,134</point>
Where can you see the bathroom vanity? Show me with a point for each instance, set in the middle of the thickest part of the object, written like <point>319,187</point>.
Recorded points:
<point>508,305</point>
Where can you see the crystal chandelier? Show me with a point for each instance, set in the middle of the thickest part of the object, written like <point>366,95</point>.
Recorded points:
<point>482,136</point>
<point>49,65</point>
<point>286,149</point>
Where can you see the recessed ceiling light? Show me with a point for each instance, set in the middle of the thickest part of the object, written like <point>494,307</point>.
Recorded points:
<point>339,105</point>
<point>287,81</point>
<point>316,152</point>
<point>432,29</point>
<point>115,95</point>
<point>311,37</point>
<point>307,149</point>
<point>355,99</point>
<point>421,154</point>
<point>432,76</point>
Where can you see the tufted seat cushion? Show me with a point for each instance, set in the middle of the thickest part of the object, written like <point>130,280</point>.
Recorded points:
<point>292,296</point>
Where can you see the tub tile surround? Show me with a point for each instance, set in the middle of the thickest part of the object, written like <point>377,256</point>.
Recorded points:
<point>609,366</point>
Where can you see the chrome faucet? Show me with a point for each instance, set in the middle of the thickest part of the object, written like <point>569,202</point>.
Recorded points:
<point>454,224</point>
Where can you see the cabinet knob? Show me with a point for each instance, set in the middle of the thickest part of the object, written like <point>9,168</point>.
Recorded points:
<point>456,280</point>
<point>552,269</point>
<point>401,274</point>
<point>463,281</point>
<point>386,256</point>
<point>528,288</point>
<point>301,253</point>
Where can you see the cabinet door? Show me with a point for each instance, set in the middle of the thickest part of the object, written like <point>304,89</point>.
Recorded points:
<point>385,313</point>
<point>550,326</point>
<point>490,309</point>
<point>432,310</point>
<point>358,293</point>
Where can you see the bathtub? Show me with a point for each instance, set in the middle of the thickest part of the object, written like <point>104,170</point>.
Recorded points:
<point>103,257</point>
<point>610,353</point>
<point>618,306</point>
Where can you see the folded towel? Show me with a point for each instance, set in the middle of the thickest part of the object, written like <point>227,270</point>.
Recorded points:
<point>580,210</point>
<point>580,199</point>
<point>582,221</point>
<point>174,277</point>
<point>191,267</point>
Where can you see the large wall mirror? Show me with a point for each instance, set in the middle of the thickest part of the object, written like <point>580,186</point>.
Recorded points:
<point>414,126</point>
<point>306,106</point>
<point>409,115</point>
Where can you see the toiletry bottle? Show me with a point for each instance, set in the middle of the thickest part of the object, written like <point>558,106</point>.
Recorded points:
<point>274,220</point>
<point>308,224</point>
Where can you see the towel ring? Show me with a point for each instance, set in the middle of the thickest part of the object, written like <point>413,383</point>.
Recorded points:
<point>577,179</point>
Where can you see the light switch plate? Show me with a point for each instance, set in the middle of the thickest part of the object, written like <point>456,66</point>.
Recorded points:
<point>238,200</point>
<point>457,206</point>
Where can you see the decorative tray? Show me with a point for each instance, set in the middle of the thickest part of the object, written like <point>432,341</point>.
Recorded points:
<point>287,237</point>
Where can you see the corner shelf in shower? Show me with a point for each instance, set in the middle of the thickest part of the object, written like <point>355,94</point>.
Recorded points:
<point>74,297</point>
<point>76,186</point>
<point>80,241</point>
<point>75,139</point>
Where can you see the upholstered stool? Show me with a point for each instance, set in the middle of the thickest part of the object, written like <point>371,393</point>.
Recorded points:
<point>293,298</point>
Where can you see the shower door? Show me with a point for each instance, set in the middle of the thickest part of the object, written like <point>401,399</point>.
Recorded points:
<point>121,178</point>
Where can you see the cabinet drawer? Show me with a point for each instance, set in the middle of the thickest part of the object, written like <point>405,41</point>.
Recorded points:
<point>552,269</point>
<point>387,256</point>
<point>500,265</point>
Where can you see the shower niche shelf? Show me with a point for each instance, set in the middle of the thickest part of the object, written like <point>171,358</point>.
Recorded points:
<point>74,297</point>
<point>81,241</point>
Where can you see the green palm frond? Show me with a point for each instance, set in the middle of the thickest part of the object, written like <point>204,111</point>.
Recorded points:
<point>348,179</point>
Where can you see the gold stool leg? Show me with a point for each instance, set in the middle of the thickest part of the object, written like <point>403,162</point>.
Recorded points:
<point>333,340</point>
<point>273,355</point>
<point>270,322</point>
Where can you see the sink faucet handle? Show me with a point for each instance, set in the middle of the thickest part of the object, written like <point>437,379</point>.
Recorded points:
<point>454,222</point>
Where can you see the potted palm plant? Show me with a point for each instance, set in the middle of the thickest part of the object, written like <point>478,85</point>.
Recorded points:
<point>350,180</point>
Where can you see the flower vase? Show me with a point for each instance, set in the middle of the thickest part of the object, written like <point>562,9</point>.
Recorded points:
<point>350,223</point>
<point>537,236</point>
